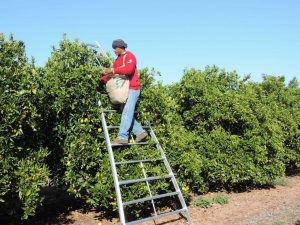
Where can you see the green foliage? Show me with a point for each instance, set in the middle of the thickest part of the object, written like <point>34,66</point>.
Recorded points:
<point>217,129</point>
<point>78,154</point>
<point>22,155</point>
<point>31,176</point>
<point>243,127</point>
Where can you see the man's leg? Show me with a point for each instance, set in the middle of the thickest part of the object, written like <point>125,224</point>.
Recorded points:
<point>139,132</point>
<point>128,114</point>
<point>137,128</point>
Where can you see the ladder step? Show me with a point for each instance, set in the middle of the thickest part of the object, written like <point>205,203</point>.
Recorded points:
<point>134,143</point>
<point>151,198</point>
<point>138,161</point>
<point>144,179</point>
<point>109,110</point>
<point>157,217</point>
<point>113,127</point>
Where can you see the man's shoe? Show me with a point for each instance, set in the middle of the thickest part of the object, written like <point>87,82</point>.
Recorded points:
<point>120,141</point>
<point>141,137</point>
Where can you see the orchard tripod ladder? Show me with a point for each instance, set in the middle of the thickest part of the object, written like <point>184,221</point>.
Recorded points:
<point>147,179</point>
<point>118,183</point>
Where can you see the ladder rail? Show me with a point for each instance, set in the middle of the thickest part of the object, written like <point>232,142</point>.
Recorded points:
<point>167,164</point>
<point>113,167</point>
<point>148,187</point>
<point>98,47</point>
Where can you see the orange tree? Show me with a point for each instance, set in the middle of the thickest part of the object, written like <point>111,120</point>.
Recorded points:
<point>246,131</point>
<point>78,157</point>
<point>284,102</point>
<point>161,110</point>
<point>22,155</point>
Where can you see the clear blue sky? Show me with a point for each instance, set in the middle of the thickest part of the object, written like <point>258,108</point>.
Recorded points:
<point>252,37</point>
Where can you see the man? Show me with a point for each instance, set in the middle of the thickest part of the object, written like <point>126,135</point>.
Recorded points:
<point>125,64</point>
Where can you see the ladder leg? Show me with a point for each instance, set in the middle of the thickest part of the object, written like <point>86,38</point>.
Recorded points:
<point>147,183</point>
<point>114,170</point>
<point>149,190</point>
<point>175,184</point>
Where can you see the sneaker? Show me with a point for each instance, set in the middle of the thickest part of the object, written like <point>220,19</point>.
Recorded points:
<point>141,137</point>
<point>119,141</point>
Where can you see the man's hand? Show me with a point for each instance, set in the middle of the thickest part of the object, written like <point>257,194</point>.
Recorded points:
<point>103,79</point>
<point>107,70</point>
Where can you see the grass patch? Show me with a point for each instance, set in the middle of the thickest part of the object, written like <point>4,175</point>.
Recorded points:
<point>205,202</point>
<point>202,202</point>
<point>280,181</point>
<point>222,200</point>
<point>278,223</point>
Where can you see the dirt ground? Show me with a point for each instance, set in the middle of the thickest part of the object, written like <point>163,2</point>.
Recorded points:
<point>279,205</point>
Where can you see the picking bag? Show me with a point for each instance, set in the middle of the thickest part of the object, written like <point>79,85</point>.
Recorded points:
<point>117,88</point>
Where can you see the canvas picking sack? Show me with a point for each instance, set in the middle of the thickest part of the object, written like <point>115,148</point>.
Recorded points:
<point>117,88</point>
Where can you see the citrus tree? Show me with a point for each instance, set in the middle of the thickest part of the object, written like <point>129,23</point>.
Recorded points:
<point>22,155</point>
<point>241,125</point>
<point>78,157</point>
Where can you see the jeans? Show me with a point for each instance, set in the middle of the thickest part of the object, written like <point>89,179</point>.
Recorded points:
<point>127,118</point>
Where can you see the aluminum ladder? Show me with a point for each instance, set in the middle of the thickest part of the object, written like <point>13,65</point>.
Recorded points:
<point>118,183</point>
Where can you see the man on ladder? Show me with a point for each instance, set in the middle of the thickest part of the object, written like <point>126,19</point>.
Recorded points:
<point>126,64</point>
<point>125,67</point>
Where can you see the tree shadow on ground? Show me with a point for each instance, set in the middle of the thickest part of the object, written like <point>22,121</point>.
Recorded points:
<point>56,209</point>
<point>293,172</point>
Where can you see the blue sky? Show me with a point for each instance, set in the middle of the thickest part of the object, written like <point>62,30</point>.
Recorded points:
<point>252,37</point>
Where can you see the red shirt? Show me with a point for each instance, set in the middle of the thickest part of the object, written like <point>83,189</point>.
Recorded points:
<point>125,64</point>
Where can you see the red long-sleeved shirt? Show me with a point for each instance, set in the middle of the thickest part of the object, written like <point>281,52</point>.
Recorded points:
<point>125,64</point>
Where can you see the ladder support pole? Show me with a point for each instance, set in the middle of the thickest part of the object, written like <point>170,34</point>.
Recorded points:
<point>113,168</point>
<point>149,190</point>
<point>167,164</point>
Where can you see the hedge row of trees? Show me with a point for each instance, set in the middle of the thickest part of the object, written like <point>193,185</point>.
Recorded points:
<point>218,130</point>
